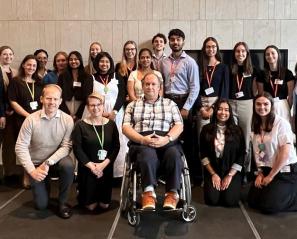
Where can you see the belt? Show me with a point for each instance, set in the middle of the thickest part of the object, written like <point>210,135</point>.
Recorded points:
<point>176,96</point>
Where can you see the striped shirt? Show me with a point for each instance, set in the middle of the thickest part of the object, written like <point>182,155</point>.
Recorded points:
<point>158,116</point>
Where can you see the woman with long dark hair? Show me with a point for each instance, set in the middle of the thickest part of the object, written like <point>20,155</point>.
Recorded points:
<point>278,81</point>
<point>214,80</point>
<point>74,82</point>
<point>242,90</point>
<point>145,66</point>
<point>222,155</point>
<point>24,93</point>
<point>275,186</point>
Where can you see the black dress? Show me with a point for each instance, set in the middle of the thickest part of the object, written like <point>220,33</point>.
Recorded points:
<point>19,92</point>
<point>85,146</point>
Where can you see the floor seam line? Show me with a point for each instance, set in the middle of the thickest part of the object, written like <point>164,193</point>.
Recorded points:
<point>249,221</point>
<point>115,223</point>
<point>11,199</point>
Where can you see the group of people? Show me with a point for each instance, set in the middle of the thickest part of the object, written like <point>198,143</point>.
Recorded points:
<point>153,102</point>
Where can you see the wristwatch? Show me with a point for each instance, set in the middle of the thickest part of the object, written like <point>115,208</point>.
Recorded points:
<point>170,138</point>
<point>49,162</point>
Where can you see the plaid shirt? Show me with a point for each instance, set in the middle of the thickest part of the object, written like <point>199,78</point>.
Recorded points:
<point>158,116</point>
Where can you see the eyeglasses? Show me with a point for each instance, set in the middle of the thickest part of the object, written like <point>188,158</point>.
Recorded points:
<point>95,106</point>
<point>130,49</point>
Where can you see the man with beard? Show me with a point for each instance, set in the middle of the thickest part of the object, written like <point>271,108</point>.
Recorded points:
<point>181,84</point>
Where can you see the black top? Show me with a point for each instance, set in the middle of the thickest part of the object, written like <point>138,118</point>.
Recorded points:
<point>219,82</point>
<point>268,81</point>
<point>80,93</point>
<point>19,92</point>
<point>124,78</point>
<point>234,149</point>
<point>86,143</point>
<point>246,84</point>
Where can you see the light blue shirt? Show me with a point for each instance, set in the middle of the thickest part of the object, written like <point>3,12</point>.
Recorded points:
<point>181,76</point>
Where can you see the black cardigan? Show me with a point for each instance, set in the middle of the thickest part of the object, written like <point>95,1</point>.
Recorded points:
<point>234,149</point>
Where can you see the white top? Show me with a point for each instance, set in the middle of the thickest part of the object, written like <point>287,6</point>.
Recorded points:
<point>280,135</point>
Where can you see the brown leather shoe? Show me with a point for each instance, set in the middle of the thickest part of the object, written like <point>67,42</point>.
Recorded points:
<point>171,200</point>
<point>148,201</point>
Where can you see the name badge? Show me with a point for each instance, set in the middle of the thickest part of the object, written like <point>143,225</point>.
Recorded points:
<point>278,82</point>
<point>33,105</point>
<point>209,91</point>
<point>262,155</point>
<point>101,154</point>
<point>239,94</point>
<point>246,75</point>
<point>76,84</point>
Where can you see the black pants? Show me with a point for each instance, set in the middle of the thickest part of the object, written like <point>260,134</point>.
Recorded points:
<point>149,160</point>
<point>190,140</point>
<point>40,190</point>
<point>279,195</point>
<point>228,198</point>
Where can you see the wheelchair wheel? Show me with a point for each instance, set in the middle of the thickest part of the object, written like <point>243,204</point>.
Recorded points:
<point>189,214</point>
<point>133,218</point>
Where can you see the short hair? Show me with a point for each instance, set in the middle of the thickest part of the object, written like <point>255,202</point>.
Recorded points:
<point>160,35</point>
<point>95,95</point>
<point>51,86</point>
<point>176,32</point>
<point>40,50</point>
<point>152,73</point>
<point>2,48</point>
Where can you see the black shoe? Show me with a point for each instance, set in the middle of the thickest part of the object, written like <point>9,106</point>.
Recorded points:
<point>65,212</point>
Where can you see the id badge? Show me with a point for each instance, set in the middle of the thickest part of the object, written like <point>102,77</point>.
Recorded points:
<point>246,75</point>
<point>278,82</point>
<point>239,94</point>
<point>262,155</point>
<point>101,154</point>
<point>76,84</point>
<point>33,105</point>
<point>209,91</point>
<point>261,147</point>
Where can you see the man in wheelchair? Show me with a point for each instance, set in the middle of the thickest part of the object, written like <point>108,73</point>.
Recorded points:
<point>153,125</point>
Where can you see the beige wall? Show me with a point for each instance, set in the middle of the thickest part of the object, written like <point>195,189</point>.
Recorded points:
<point>73,24</point>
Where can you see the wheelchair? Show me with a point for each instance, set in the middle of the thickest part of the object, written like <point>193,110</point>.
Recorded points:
<point>131,190</point>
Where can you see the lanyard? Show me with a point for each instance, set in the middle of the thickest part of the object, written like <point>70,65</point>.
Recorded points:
<point>101,142</point>
<point>273,86</point>
<point>31,91</point>
<point>239,82</point>
<point>209,79</point>
<point>105,83</point>
<point>174,66</point>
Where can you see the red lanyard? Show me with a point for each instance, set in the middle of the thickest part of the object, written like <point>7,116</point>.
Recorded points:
<point>173,67</point>
<point>239,82</point>
<point>104,80</point>
<point>273,86</point>
<point>209,79</point>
